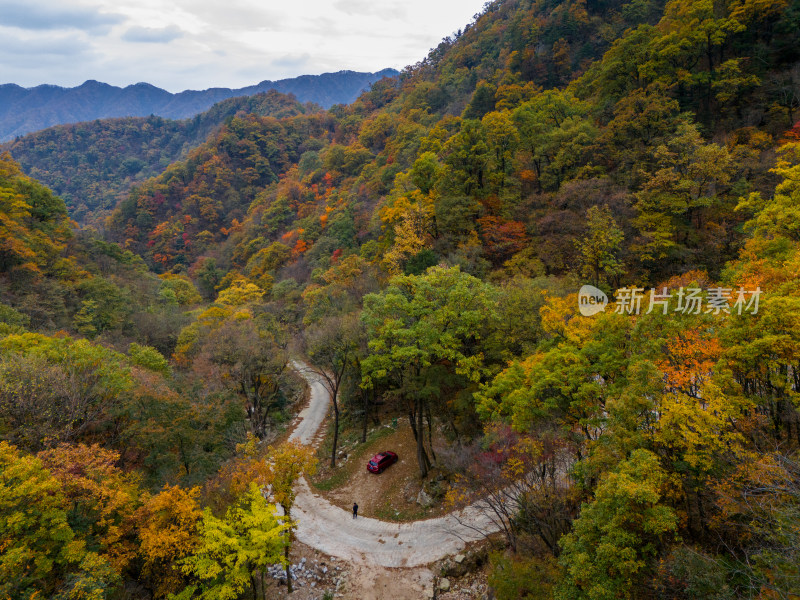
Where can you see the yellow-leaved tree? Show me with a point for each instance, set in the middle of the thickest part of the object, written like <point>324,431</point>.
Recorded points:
<point>168,533</point>
<point>288,462</point>
<point>231,550</point>
<point>40,554</point>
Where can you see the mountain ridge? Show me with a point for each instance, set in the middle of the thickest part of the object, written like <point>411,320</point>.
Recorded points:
<point>24,110</point>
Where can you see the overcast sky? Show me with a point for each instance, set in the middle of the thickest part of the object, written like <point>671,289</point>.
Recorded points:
<point>196,44</point>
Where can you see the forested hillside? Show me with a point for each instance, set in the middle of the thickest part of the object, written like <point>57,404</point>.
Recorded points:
<point>668,146</point>
<point>93,165</point>
<point>103,446</point>
<point>424,246</point>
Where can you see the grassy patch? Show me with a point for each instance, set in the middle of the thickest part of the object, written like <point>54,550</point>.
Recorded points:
<point>388,513</point>
<point>338,479</point>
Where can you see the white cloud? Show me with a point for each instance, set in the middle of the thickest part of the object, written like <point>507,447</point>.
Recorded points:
<point>195,44</point>
<point>45,16</point>
<point>293,61</point>
<point>386,10</point>
<point>153,35</point>
<point>64,45</point>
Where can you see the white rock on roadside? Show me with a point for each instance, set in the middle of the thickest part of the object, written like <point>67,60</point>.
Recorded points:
<point>423,498</point>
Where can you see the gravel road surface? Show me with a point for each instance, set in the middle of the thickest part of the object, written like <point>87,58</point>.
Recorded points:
<point>332,530</point>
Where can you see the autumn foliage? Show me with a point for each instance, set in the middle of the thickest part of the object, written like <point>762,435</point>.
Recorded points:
<point>425,245</point>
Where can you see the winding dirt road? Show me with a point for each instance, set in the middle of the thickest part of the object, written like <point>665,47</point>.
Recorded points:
<point>333,531</point>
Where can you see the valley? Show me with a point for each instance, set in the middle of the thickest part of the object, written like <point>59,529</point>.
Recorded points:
<point>209,324</point>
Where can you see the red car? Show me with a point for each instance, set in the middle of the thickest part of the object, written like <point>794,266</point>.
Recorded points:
<point>380,461</point>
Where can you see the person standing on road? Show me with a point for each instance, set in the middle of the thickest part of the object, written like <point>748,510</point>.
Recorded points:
<point>355,510</point>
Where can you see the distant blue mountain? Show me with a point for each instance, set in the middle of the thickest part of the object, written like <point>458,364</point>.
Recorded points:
<point>23,110</point>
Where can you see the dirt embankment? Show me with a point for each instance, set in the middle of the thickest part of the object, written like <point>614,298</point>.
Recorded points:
<point>391,495</point>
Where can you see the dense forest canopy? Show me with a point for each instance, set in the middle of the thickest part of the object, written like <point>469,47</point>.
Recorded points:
<point>424,246</point>
<point>93,165</point>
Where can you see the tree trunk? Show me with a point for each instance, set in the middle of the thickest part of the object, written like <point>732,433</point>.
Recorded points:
<point>430,429</point>
<point>702,513</point>
<point>366,417</point>
<point>422,456</point>
<point>184,459</point>
<point>335,430</point>
<point>412,420</point>
<point>454,428</point>
<point>286,554</point>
